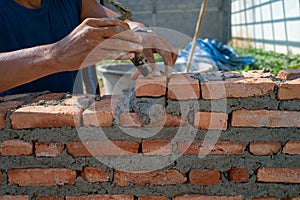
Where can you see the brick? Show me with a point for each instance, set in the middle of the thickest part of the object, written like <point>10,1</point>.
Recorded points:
<point>289,90</point>
<point>211,121</point>
<point>108,148</point>
<point>278,175</point>
<point>152,198</point>
<point>48,149</point>
<point>237,88</point>
<point>167,177</point>
<point>291,198</point>
<point>183,87</point>
<point>45,117</point>
<point>239,175</point>
<point>100,113</point>
<point>14,97</point>
<point>204,177</point>
<point>265,198</point>
<point>265,118</point>
<point>48,97</point>
<point>81,101</point>
<point>102,197</point>
<point>256,74</point>
<point>41,177</point>
<point>130,120</point>
<point>264,148</point>
<point>5,107</point>
<point>219,148</point>
<point>14,197</point>
<point>16,148</point>
<point>289,74</point>
<point>170,120</point>
<point>157,147</point>
<point>151,87</point>
<point>94,175</point>
<point>50,198</point>
<point>292,147</point>
<point>205,197</point>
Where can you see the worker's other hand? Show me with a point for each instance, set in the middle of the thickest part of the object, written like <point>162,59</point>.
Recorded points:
<point>96,39</point>
<point>152,43</point>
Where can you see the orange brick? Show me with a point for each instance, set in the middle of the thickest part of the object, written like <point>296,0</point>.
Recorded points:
<point>151,87</point>
<point>239,175</point>
<point>170,121</point>
<point>14,97</point>
<point>292,147</point>
<point>81,101</point>
<point>16,197</point>
<point>265,118</point>
<point>5,107</point>
<point>50,198</point>
<point>153,198</point>
<point>157,147</point>
<point>100,113</point>
<point>205,197</point>
<point>292,198</point>
<point>41,177</point>
<point>278,175</point>
<point>48,97</point>
<point>167,177</point>
<point>264,148</point>
<point>102,197</point>
<point>46,117</point>
<point>183,87</point>
<point>130,120</point>
<point>16,148</point>
<point>237,88</point>
<point>289,74</point>
<point>48,149</point>
<point>289,90</point>
<point>256,74</point>
<point>211,121</point>
<point>265,198</point>
<point>219,148</point>
<point>102,148</point>
<point>204,177</point>
<point>94,175</point>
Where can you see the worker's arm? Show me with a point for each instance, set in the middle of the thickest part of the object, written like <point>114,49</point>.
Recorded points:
<point>23,66</point>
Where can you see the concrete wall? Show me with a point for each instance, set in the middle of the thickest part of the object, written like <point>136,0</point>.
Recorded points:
<point>271,25</point>
<point>182,16</point>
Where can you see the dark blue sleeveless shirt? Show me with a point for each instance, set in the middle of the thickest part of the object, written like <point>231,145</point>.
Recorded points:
<point>21,27</point>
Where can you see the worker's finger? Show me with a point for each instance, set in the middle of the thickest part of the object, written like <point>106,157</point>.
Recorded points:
<point>120,45</point>
<point>150,57</point>
<point>104,22</point>
<point>135,75</point>
<point>168,61</point>
<point>101,54</point>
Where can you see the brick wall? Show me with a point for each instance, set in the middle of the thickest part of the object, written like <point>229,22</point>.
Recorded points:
<point>219,136</point>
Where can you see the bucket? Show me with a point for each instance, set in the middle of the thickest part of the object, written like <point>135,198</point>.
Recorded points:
<point>116,77</point>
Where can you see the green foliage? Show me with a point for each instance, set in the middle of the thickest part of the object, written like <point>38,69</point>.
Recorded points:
<point>269,59</point>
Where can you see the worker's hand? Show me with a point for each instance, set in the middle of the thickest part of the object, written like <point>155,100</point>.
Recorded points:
<point>152,43</point>
<point>96,39</point>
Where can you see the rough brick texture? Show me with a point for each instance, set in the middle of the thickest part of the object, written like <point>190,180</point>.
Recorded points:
<point>292,147</point>
<point>14,197</point>
<point>151,87</point>
<point>205,197</point>
<point>50,198</point>
<point>152,198</point>
<point>264,148</point>
<point>211,121</point>
<point>102,148</point>
<point>278,175</point>
<point>239,175</point>
<point>204,177</point>
<point>48,149</point>
<point>265,118</point>
<point>167,177</point>
<point>183,87</point>
<point>48,97</point>
<point>289,90</point>
<point>217,148</point>
<point>130,120</point>
<point>265,198</point>
<point>41,177</point>
<point>101,197</point>
<point>237,88</point>
<point>4,108</point>
<point>16,148</point>
<point>94,175</point>
<point>157,147</point>
<point>289,74</point>
<point>46,117</point>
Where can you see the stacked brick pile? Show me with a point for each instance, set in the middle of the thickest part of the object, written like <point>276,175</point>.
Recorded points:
<point>256,155</point>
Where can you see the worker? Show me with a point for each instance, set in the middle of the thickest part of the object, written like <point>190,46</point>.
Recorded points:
<point>43,43</point>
